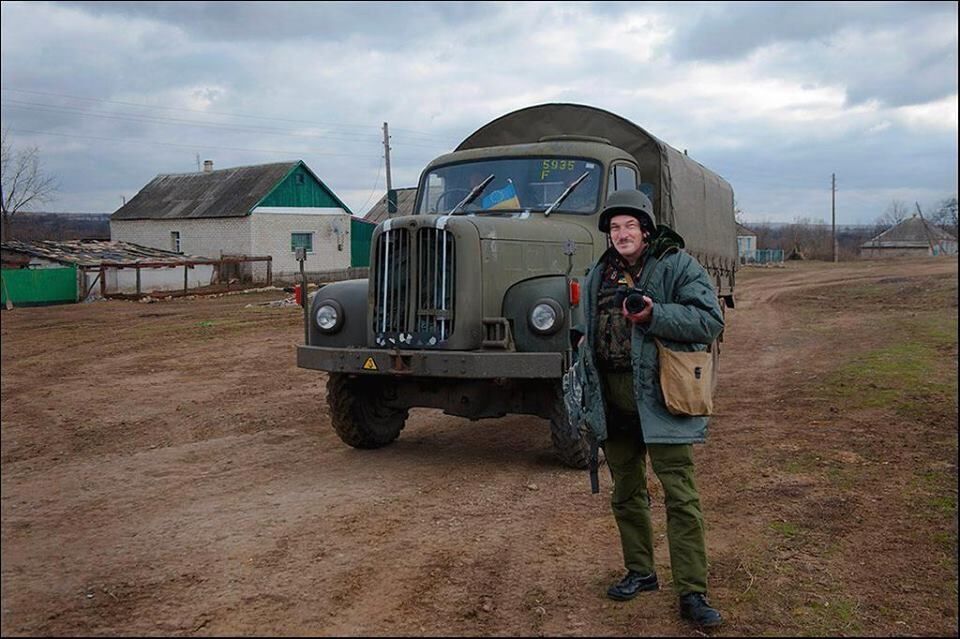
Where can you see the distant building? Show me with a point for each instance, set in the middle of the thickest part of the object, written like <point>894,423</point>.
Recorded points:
<point>262,210</point>
<point>746,244</point>
<point>406,198</point>
<point>913,236</point>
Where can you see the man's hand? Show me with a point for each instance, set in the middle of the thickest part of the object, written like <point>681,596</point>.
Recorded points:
<point>644,316</point>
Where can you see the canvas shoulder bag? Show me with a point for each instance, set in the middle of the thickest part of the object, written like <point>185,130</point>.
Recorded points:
<point>687,380</point>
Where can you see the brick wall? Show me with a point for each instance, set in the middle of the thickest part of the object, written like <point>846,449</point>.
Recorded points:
<point>271,233</point>
<point>256,234</point>
<point>207,238</point>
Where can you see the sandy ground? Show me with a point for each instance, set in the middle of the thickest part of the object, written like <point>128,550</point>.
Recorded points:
<point>166,469</point>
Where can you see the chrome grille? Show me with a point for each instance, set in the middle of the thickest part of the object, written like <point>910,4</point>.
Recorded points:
<point>392,283</point>
<point>437,270</point>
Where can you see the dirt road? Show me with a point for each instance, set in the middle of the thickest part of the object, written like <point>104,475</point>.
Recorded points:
<point>166,469</point>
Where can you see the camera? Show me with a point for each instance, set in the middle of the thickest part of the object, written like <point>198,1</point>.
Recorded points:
<point>634,300</point>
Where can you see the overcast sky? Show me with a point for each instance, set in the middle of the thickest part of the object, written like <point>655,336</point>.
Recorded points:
<point>772,96</point>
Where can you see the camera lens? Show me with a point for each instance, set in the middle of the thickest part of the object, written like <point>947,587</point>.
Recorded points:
<point>635,303</point>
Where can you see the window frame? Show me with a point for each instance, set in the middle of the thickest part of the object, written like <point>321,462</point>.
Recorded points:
<point>176,239</point>
<point>612,181</point>
<point>293,247</point>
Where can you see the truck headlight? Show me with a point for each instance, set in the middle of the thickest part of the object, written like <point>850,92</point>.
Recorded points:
<point>546,317</point>
<point>329,316</point>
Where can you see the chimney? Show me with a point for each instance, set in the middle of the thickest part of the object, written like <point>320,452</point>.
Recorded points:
<point>207,166</point>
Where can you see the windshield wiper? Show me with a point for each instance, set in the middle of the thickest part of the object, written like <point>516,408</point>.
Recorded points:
<point>472,195</point>
<point>566,192</point>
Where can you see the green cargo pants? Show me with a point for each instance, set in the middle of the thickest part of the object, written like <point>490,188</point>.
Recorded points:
<point>673,464</point>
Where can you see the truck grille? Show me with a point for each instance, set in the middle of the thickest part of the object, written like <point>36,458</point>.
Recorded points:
<point>396,288</point>
<point>437,274</point>
<point>392,283</point>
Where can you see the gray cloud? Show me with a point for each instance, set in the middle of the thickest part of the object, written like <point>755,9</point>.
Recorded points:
<point>773,97</point>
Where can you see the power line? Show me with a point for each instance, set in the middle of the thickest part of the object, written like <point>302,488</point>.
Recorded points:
<point>33,106</point>
<point>192,146</point>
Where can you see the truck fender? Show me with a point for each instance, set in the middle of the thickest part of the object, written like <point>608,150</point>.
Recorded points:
<point>351,298</point>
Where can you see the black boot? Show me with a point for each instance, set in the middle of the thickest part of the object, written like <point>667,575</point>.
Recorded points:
<point>694,607</point>
<point>632,584</point>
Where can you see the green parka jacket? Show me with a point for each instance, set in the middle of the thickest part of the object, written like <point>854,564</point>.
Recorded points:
<point>686,317</point>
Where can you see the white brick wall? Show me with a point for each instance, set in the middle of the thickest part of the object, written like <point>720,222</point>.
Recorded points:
<point>331,250</point>
<point>207,237</point>
<point>255,234</point>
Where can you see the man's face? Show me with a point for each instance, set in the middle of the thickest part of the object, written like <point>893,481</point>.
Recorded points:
<point>626,237</point>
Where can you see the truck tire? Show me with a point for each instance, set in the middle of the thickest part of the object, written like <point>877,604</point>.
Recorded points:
<point>360,418</point>
<point>569,445</point>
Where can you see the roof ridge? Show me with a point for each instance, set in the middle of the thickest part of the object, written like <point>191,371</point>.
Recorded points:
<point>231,168</point>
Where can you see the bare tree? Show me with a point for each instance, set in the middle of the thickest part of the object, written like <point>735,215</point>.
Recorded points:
<point>945,216</point>
<point>23,182</point>
<point>897,212</point>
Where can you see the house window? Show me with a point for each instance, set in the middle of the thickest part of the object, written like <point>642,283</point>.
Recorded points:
<point>301,240</point>
<point>299,178</point>
<point>175,241</point>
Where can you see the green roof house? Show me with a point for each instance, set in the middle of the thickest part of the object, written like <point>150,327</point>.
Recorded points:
<point>267,209</point>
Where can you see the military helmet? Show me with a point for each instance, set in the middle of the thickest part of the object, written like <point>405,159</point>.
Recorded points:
<point>628,202</point>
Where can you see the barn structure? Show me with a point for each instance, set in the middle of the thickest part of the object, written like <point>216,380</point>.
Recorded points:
<point>48,272</point>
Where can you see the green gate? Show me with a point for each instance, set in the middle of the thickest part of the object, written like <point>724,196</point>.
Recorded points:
<point>35,286</point>
<point>360,234</point>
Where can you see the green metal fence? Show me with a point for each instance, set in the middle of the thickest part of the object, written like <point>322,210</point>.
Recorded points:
<point>360,234</point>
<point>35,286</point>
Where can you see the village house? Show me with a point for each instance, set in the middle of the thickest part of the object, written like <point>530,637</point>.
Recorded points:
<point>913,236</point>
<point>248,211</point>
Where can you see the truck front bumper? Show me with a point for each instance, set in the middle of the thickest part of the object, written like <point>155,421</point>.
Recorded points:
<point>419,363</point>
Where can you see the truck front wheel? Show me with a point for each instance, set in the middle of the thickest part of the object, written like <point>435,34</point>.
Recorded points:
<point>359,415</point>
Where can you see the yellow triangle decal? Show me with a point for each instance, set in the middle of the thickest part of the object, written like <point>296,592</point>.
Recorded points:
<point>370,365</point>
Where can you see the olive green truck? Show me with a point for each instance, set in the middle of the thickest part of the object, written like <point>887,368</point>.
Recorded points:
<point>471,301</point>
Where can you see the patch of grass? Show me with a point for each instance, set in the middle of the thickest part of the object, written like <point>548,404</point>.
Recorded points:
<point>803,463</point>
<point>843,477</point>
<point>830,617</point>
<point>786,528</point>
<point>946,504</point>
<point>912,375</point>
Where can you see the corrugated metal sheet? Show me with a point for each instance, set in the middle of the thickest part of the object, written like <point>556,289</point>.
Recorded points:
<point>39,286</point>
<point>406,198</point>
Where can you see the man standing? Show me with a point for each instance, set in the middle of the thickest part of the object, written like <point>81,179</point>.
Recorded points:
<point>622,394</point>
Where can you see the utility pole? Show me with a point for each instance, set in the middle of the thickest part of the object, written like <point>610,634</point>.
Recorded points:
<point>198,162</point>
<point>391,196</point>
<point>833,212</point>
<point>926,230</point>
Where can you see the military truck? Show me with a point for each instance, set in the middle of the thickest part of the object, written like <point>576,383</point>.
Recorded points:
<point>471,301</point>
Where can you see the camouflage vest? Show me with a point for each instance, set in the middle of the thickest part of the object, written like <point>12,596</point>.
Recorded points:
<point>614,331</point>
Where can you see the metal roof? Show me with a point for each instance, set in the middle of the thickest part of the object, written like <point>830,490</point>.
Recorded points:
<point>912,231</point>
<point>406,198</point>
<point>229,192</point>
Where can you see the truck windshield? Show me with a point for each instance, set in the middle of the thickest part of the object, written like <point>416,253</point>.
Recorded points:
<point>519,184</point>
